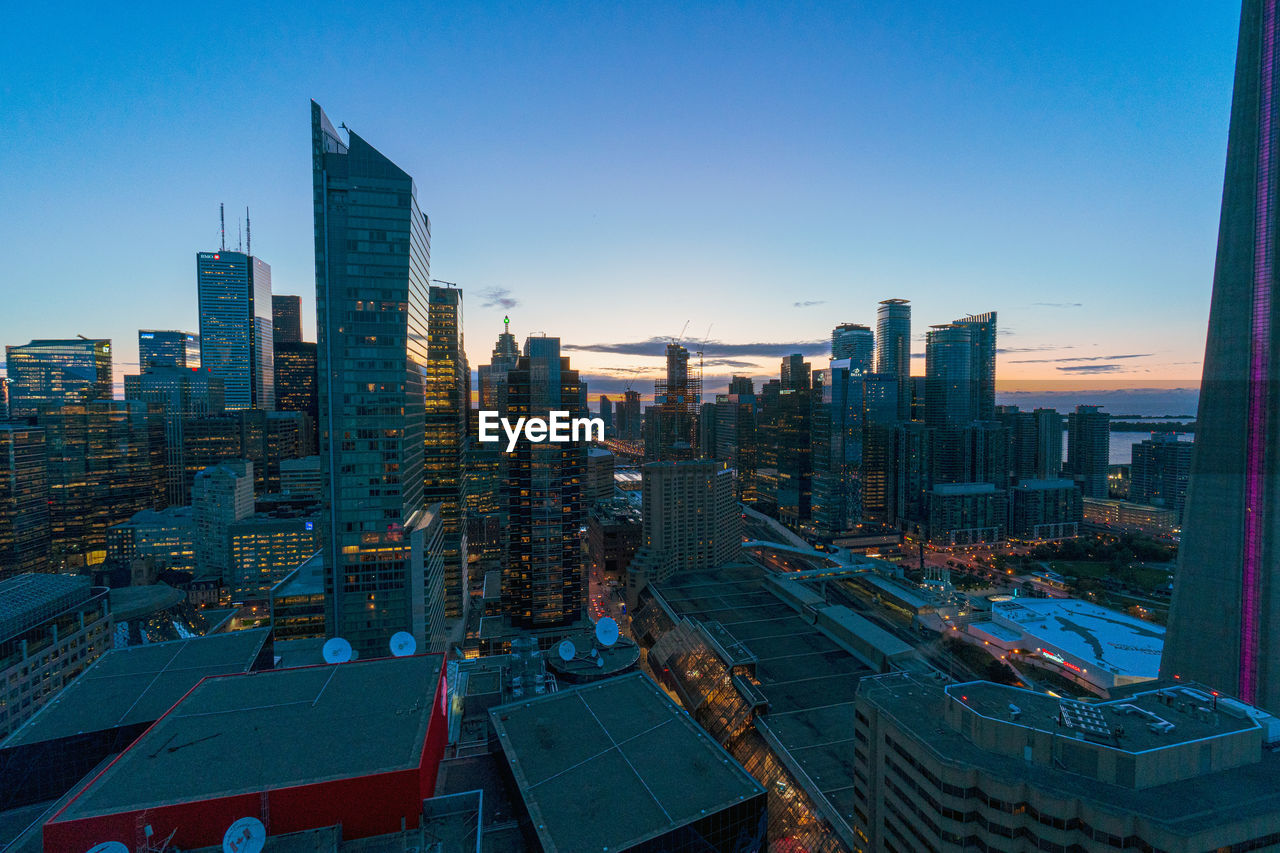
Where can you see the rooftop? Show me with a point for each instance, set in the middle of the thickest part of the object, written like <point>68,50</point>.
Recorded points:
<point>1188,806</point>
<point>1107,639</point>
<point>611,764</point>
<point>138,684</point>
<point>28,600</point>
<point>248,733</point>
<point>307,579</point>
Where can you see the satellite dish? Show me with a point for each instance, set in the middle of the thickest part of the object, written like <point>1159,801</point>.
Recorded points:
<point>337,650</point>
<point>567,650</point>
<point>600,663</point>
<point>403,644</point>
<point>246,835</point>
<point>108,847</point>
<point>594,652</point>
<point>607,631</point>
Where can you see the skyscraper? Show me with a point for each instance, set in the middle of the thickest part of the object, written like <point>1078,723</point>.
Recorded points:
<point>629,418</point>
<point>1088,449</point>
<point>542,581</point>
<point>167,348</point>
<point>236,338</point>
<point>53,373</point>
<point>493,376</point>
<point>893,348</point>
<point>178,393</point>
<point>221,494</point>
<point>949,376</point>
<point>1048,457</point>
<point>24,501</point>
<point>286,318</point>
<point>983,340</point>
<point>297,380</point>
<point>856,343</point>
<point>672,432</point>
<point>836,436</point>
<point>606,414</point>
<point>373,245</point>
<point>1160,470</point>
<point>1224,624</point>
<point>447,390</point>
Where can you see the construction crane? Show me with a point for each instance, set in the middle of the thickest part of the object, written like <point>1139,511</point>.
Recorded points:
<point>705,338</point>
<point>440,281</point>
<point>682,331</point>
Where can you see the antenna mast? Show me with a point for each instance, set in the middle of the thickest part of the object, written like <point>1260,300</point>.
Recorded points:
<point>222,224</point>
<point>248,240</point>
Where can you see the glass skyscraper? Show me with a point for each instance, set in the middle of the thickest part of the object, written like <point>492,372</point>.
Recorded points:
<point>856,343</point>
<point>373,251</point>
<point>53,373</point>
<point>236,338</point>
<point>893,348</point>
<point>167,348</point>
<point>286,318</point>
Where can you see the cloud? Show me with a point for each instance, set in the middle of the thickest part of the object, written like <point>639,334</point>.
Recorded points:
<point>657,348</point>
<point>810,303</point>
<point>1057,304</point>
<point>498,297</point>
<point>1092,368</point>
<point>1037,348</point>
<point>1083,358</point>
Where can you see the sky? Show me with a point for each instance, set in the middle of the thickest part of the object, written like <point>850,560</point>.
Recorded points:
<point>744,175</point>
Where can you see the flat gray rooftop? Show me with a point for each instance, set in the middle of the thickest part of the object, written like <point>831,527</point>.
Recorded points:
<point>28,600</point>
<point>1188,807</point>
<point>138,684</point>
<point>248,733</point>
<point>608,765</point>
<point>809,680</point>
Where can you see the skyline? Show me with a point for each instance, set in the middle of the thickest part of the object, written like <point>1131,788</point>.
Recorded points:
<point>770,204</point>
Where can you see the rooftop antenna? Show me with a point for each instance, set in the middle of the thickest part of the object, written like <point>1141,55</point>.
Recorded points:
<point>222,222</point>
<point>506,324</point>
<point>248,241</point>
<point>239,236</point>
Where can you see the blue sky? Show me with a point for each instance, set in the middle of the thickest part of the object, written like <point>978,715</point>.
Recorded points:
<point>768,170</point>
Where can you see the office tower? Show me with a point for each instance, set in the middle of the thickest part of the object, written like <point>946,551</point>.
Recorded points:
<point>493,376</point>
<point>105,462</point>
<point>266,439</point>
<point>629,418</point>
<point>985,446</point>
<point>447,390</point>
<point>1088,449</point>
<point>1044,509</point>
<point>1160,471</point>
<point>856,343</point>
<point>673,430</point>
<point>178,393</point>
<point>264,547</point>
<point>614,530</point>
<point>53,373</point>
<point>836,434</point>
<point>599,482</point>
<point>983,360</point>
<point>735,433</point>
<point>788,425</point>
<point>373,246</point>
<point>606,414</point>
<point>4,399</point>
<point>236,338</point>
<point>542,580</point>
<point>1048,456</point>
<point>222,494</point>
<point>691,521</point>
<point>302,477</point>
<point>297,381</point>
<point>24,501</point>
<point>795,373</point>
<point>167,537</point>
<point>286,319</point>
<point>893,347</point>
<point>164,348</point>
<point>51,628</point>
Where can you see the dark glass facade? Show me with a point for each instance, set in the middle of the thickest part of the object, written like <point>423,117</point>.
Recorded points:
<point>24,501</point>
<point>166,348</point>
<point>297,381</point>
<point>286,318</point>
<point>51,373</point>
<point>236,327</point>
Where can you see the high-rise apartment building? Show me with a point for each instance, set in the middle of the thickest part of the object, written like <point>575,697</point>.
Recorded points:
<point>629,416</point>
<point>373,248</point>
<point>236,338</point>
<point>893,348</point>
<point>855,342</point>
<point>880,394</point>
<point>949,376</point>
<point>447,391</point>
<point>286,318</point>
<point>53,373</point>
<point>836,444</point>
<point>1224,624</point>
<point>1048,435</point>
<point>983,369</point>
<point>691,521</point>
<point>1089,449</point>
<point>167,348</point>
<point>542,580</point>
<point>1160,471</point>
<point>24,501</point>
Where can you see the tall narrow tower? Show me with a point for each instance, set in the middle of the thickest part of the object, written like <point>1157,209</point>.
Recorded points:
<point>893,348</point>
<point>1224,626</point>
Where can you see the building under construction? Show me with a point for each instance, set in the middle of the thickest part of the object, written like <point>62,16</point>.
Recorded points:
<point>671,424</point>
